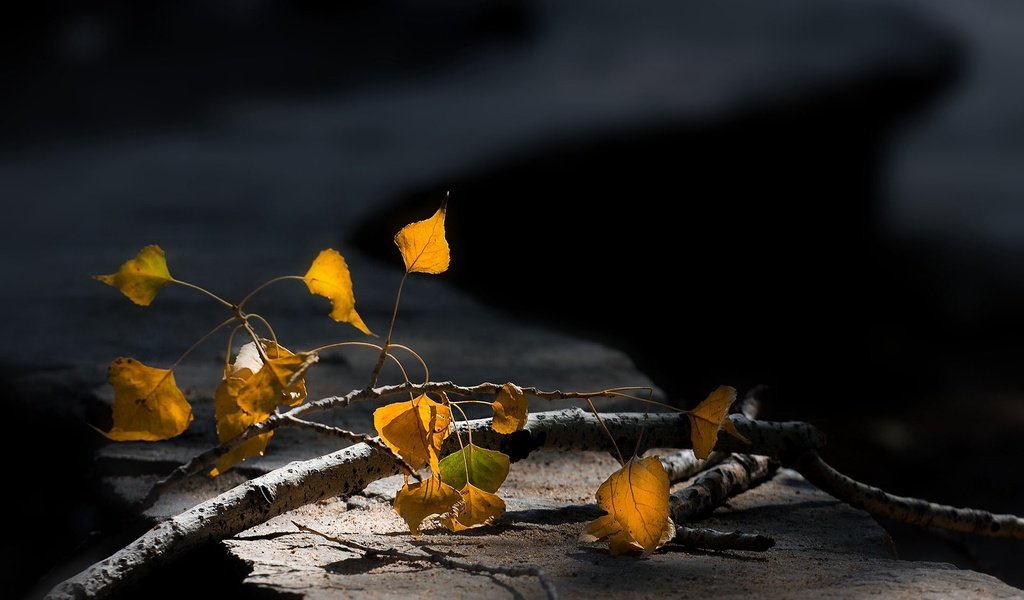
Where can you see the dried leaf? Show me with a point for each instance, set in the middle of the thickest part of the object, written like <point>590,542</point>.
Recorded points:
<point>636,500</point>
<point>233,420</point>
<point>141,277</point>
<point>329,277</point>
<point>478,508</point>
<point>709,417</point>
<point>510,409</point>
<point>415,429</point>
<point>423,245</point>
<point>487,468</point>
<point>280,381</point>
<point>417,501</point>
<point>148,405</point>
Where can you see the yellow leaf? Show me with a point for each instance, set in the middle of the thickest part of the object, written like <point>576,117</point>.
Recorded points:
<point>232,420</point>
<point>415,502</point>
<point>708,417</point>
<point>636,500</point>
<point>478,508</point>
<point>148,406</point>
<point>279,381</point>
<point>415,429</point>
<point>329,277</point>
<point>510,409</point>
<point>141,277</point>
<point>423,245</point>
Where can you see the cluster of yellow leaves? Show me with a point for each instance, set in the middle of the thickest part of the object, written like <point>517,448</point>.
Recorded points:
<point>635,497</point>
<point>462,487</point>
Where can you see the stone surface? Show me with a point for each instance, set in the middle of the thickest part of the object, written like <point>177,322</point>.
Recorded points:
<point>824,549</point>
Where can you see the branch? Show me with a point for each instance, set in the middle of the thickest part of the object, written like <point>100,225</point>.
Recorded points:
<point>348,471</point>
<point>908,510</point>
<point>766,437</point>
<point>353,437</point>
<point>711,539</point>
<point>736,474</point>
<point>429,555</point>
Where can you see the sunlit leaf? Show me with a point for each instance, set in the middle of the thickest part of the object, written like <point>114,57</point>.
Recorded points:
<point>510,409</point>
<point>423,245</point>
<point>415,429</point>
<point>329,277</point>
<point>148,405</point>
<point>141,277</point>
<point>417,501</point>
<point>478,508</point>
<point>233,420</point>
<point>487,468</point>
<point>636,500</point>
<point>708,417</point>
<point>279,381</point>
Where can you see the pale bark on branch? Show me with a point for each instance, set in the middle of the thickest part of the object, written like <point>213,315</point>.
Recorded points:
<point>710,489</point>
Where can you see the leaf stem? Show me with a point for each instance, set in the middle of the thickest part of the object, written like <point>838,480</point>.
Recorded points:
<point>263,285</point>
<point>391,328</point>
<point>205,291</point>
<point>200,341</point>
<point>469,437</point>
<point>265,323</point>
<point>600,421</point>
<point>401,367</point>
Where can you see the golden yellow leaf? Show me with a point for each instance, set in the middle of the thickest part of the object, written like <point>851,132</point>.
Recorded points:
<point>279,381</point>
<point>510,409</point>
<point>233,420</point>
<point>708,417</point>
<point>415,502</point>
<point>636,500</point>
<point>329,277</point>
<point>148,405</point>
<point>141,277</point>
<point>423,245</point>
<point>478,508</point>
<point>415,429</point>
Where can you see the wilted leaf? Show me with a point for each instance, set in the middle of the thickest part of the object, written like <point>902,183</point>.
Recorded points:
<point>510,409</point>
<point>141,277</point>
<point>423,245</point>
<point>329,277</point>
<point>414,429</point>
<point>487,468</point>
<point>148,406</point>
<point>708,417</point>
<point>478,508</point>
<point>417,501</point>
<point>233,420</point>
<point>636,500</point>
<point>279,381</point>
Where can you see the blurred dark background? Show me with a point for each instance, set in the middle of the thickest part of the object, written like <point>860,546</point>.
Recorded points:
<point>834,187</point>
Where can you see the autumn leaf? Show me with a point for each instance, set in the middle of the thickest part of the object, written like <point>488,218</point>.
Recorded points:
<point>329,277</point>
<point>510,409</point>
<point>478,507</point>
<point>279,381</point>
<point>635,499</point>
<point>708,417</point>
<point>141,277</point>
<point>487,468</point>
<point>414,429</point>
<point>417,501</point>
<point>232,420</point>
<point>423,245</point>
<point>148,406</point>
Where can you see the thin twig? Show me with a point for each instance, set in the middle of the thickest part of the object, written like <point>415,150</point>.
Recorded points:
<point>427,554</point>
<point>712,539</point>
<point>354,437</point>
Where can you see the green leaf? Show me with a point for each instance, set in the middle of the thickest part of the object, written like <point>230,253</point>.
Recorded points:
<point>487,468</point>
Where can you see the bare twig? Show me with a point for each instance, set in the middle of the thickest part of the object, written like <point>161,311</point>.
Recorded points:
<point>711,539</point>
<point>353,437</point>
<point>710,489</point>
<point>433,556</point>
<point>908,510</point>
